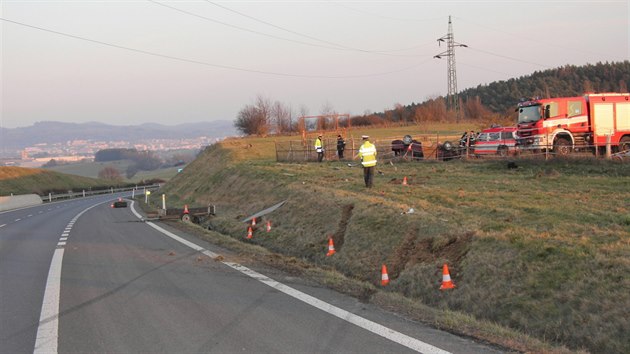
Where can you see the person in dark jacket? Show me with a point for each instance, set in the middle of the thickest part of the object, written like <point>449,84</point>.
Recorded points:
<point>341,146</point>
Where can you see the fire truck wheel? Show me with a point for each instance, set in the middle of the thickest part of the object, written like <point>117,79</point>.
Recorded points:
<point>624,144</point>
<point>562,147</point>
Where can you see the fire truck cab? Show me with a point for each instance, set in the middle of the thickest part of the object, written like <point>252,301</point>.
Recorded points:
<point>565,124</point>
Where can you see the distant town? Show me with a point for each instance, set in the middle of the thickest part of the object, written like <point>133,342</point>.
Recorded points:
<point>84,150</point>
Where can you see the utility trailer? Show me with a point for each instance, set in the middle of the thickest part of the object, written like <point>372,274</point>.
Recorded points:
<point>196,215</point>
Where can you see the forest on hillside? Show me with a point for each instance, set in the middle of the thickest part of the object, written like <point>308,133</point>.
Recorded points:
<point>566,81</point>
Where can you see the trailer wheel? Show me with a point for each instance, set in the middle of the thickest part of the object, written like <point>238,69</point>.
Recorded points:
<point>562,147</point>
<point>502,151</point>
<point>186,218</point>
<point>624,144</point>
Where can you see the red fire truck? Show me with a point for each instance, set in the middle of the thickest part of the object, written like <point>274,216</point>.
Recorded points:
<point>564,124</point>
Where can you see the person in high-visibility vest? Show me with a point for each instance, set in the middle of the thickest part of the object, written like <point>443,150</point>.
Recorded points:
<point>319,148</point>
<point>367,153</point>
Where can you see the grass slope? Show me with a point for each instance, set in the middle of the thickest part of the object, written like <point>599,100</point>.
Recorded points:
<point>544,248</point>
<point>19,180</point>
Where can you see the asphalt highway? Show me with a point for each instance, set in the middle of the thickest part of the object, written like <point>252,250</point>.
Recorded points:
<point>122,285</point>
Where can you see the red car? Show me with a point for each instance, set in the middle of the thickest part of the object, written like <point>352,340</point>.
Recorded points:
<point>496,141</point>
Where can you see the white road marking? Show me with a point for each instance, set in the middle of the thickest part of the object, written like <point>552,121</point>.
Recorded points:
<point>16,220</point>
<point>3,225</point>
<point>394,336</point>
<point>48,330</point>
<point>63,239</point>
<point>29,215</point>
<point>47,339</point>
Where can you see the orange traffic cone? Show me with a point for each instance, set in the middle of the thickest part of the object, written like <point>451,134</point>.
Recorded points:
<point>186,209</point>
<point>384,276</point>
<point>268,226</point>
<point>250,233</point>
<point>331,247</point>
<point>446,279</point>
<point>404,181</point>
<point>253,221</point>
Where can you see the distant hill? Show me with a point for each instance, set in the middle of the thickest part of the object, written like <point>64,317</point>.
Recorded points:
<point>56,132</point>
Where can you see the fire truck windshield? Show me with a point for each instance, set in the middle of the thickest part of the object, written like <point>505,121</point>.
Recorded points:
<point>529,114</point>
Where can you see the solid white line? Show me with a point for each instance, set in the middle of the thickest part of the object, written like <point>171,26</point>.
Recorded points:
<point>48,330</point>
<point>394,336</point>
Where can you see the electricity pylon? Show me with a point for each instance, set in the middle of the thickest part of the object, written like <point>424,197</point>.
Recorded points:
<point>452,101</point>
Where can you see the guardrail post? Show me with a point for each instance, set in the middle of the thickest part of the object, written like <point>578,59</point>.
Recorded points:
<point>164,201</point>
<point>49,197</point>
<point>84,193</point>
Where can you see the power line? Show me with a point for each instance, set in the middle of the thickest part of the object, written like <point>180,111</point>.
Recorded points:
<point>537,40</point>
<point>508,57</point>
<point>221,66</point>
<point>309,36</point>
<point>387,17</point>
<point>335,47</point>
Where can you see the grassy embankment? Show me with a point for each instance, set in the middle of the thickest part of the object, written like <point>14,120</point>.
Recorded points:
<point>18,180</point>
<point>543,250</point>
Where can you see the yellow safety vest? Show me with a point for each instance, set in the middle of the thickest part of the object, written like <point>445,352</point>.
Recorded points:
<point>367,152</point>
<point>318,145</point>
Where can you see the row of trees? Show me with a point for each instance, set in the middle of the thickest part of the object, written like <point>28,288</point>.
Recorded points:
<point>492,103</point>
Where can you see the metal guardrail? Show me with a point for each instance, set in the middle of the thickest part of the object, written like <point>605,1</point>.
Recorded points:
<point>88,193</point>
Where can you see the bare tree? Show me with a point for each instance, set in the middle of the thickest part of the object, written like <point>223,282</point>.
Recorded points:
<point>255,119</point>
<point>281,115</point>
<point>402,115</point>
<point>110,173</point>
<point>324,123</point>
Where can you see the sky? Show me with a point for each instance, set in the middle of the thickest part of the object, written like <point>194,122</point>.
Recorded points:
<point>170,62</point>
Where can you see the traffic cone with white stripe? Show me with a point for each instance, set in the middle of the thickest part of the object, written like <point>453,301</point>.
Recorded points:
<point>384,276</point>
<point>446,279</point>
<point>250,233</point>
<point>331,247</point>
<point>404,181</point>
<point>268,226</point>
<point>186,209</point>
<point>253,221</point>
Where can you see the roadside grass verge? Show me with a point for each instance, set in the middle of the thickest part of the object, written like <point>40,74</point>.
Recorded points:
<point>542,249</point>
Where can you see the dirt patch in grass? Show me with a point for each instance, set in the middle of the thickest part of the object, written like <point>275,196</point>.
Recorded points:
<point>340,235</point>
<point>410,251</point>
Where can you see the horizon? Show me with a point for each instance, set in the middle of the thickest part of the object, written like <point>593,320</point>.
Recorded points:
<point>179,62</point>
